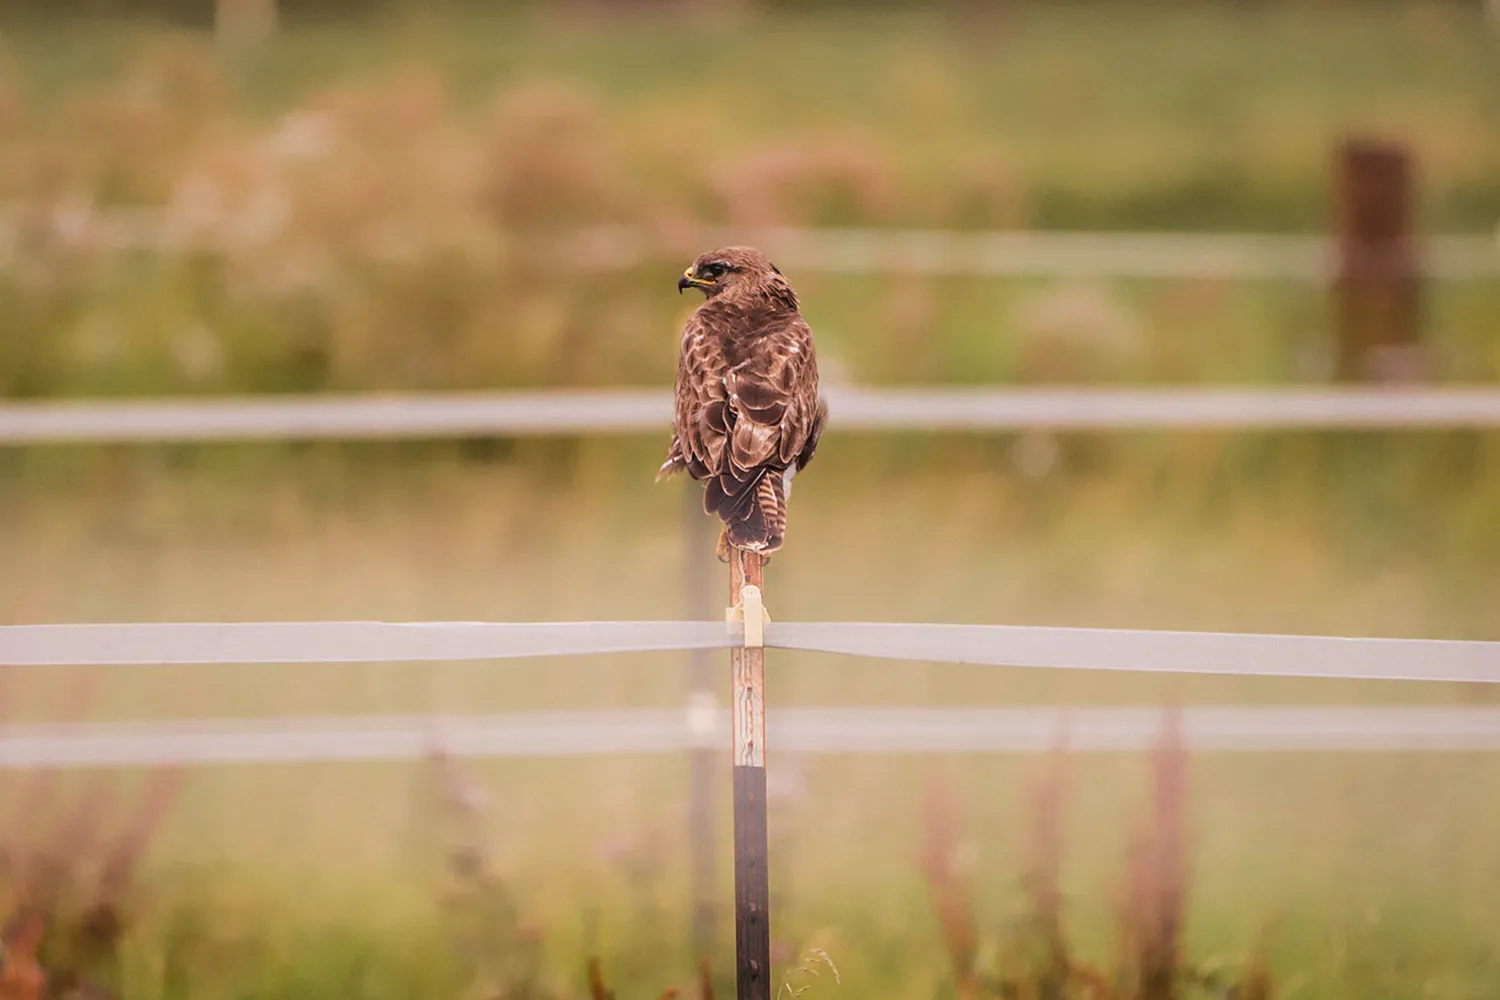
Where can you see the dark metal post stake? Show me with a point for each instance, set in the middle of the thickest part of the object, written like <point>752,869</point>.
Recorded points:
<point>752,885</point>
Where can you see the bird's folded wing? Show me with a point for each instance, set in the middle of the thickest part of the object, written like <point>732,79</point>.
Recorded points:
<point>773,400</point>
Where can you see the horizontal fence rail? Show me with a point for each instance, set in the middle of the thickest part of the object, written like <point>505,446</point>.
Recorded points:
<point>792,731</point>
<point>856,250</point>
<point>1041,254</point>
<point>633,411</point>
<point>1245,654</point>
<point>141,644</point>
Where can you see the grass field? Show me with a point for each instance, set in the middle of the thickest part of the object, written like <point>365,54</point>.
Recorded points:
<point>1373,874</point>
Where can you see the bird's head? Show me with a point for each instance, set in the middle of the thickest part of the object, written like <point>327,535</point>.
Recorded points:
<point>737,272</point>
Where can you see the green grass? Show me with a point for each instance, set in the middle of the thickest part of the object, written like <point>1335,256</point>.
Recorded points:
<point>1376,873</point>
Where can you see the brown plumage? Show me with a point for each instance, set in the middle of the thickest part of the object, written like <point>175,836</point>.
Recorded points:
<point>748,414</point>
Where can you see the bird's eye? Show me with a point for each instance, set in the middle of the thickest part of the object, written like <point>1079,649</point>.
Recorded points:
<point>713,269</point>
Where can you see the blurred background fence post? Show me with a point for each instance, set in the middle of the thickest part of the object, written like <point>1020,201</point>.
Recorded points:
<point>1377,285</point>
<point>697,542</point>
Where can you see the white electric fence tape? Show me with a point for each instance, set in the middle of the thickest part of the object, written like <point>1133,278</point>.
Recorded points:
<point>994,645</point>
<point>792,731</point>
<point>625,411</point>
<point>1149,651</point>
<point>342,642</point>
<point>1022,253</point>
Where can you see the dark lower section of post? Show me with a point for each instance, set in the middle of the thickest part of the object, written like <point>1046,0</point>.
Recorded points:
<point>752,885</point>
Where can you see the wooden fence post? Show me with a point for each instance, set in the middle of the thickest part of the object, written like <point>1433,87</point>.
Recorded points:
<point>752,884</point>
<point>1377,286</point>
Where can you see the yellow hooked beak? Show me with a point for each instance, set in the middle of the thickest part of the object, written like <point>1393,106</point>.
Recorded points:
<point>688,281</point>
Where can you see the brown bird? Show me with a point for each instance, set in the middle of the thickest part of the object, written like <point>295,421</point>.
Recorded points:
<point>748,414</point>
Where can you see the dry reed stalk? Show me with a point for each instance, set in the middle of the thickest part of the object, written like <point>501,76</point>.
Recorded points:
<point>49,859</point>
<point>95,936</point>
<point>951,895</point>
<point>597,989</point>
<point>162,789</point>
<point>1149,965</point>
<point>21,973</point>
<point>1254,981</point>
<point>1156,887</point>
<point>37,800</point>
<point>1042,877</point>
<point>464,800</point>
<point>53,864</point>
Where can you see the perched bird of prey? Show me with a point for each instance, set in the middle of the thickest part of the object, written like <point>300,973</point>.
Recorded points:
<point>748,413</point>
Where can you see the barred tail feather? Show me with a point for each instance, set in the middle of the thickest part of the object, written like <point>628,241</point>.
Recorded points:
<point>759,523</point>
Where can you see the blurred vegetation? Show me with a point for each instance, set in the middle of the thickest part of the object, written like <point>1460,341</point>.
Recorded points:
<point>369,202</point>
<point>364,204</point>
<point>1318,876</point>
